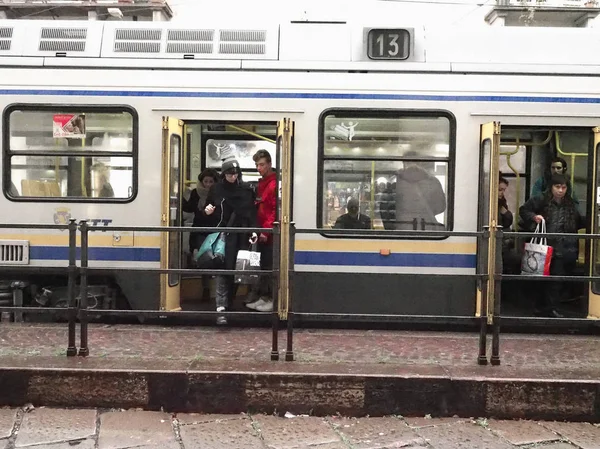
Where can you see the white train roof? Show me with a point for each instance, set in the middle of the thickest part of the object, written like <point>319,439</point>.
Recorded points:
<point>295,46</point>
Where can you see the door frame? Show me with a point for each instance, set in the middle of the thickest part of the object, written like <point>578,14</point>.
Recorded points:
<point>172,128</point>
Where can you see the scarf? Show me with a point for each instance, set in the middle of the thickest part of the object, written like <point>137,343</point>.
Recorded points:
<point>202,195</point>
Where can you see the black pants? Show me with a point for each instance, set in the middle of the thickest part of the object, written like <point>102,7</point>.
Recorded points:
<point>553,291</point>
<point>264,285</point>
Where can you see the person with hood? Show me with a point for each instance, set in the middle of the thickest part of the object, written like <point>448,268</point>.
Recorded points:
<point>232,201</point>
<point>419,198</point>
<point>261,297</point>
<point>353,219</point>
<point>559,212</point>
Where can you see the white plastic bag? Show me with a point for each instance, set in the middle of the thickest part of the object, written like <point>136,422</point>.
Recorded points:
<point>247,260</point>
<point>538,255</point>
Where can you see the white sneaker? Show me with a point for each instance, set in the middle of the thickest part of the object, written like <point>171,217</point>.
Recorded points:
<point>266,306</point>
<point>255,304</point>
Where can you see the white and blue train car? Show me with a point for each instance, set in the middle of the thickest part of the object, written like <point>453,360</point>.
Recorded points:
<point>112,122</point>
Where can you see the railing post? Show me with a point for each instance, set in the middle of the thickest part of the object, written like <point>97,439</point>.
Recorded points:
<point>275,281</point>
<point>289,352</point>
<point>83,317</point>
<point>72,271</point>
<point>481,269</point>
<point>498,268</point>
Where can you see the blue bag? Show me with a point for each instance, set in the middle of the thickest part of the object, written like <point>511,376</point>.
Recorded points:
<point>212,252</point>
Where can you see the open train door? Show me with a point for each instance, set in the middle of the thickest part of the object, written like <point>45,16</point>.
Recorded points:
<point>594,211</point>
<point>489,159</point>
<point>170,248</point>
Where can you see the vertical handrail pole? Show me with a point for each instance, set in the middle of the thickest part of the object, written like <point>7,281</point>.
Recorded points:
<point>72,271</point>
<point>275,291</point>
<point>83,317</point>
<point>482,258</point>
<point>498,269</point>
<point>289,352</point>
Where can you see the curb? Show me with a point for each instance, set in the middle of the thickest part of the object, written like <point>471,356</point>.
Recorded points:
<point>232,392</point>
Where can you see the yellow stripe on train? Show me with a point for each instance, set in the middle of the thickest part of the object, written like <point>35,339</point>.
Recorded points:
<point>356,245</point>
<point>95,239</point>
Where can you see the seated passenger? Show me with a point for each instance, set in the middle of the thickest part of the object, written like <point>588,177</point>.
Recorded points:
<point>353,219</point>
<point>558,209</point>
<point>419,198</point>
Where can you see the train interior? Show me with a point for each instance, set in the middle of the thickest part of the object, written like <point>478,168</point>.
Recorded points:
<point>524,157</point>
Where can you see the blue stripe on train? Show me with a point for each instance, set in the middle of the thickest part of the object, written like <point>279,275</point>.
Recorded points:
<point>300,95</point>
<point>97,253</point>
<point>301,258</point>
<point>393,260</point>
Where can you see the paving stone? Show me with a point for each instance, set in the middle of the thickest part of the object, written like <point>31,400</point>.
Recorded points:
<point>131,428</point>
<point>522,432</point>
<point>584,435</point>
<point>372,433</point>
<point>428,422</point>
<point>287,433</point>
<point>84,444</point>
<point>7,421</point>
<point>462,436</point>
<point>231,434</point>
<point>50,425</point>
<point>198,418</point>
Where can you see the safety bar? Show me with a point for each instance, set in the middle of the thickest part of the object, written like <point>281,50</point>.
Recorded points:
<point>75,309</point>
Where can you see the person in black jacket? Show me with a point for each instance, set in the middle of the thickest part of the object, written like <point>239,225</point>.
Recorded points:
<point>232,201</point>
<point>195,204</point>
<point>505,216</point>
<point>559,211</point>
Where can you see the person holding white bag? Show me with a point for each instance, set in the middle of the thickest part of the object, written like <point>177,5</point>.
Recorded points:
<point>557,210</point>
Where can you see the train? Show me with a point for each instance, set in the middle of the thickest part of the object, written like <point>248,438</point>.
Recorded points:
<point>112,122</point>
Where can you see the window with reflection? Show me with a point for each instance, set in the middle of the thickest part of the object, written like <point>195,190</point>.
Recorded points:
<point>83,154</point>
<point>386,170</point>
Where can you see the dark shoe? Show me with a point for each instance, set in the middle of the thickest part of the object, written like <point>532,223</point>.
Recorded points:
<point>556,314</point>
<point>221,321</point>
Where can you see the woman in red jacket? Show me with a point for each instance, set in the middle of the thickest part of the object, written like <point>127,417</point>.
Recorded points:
<point>261,297</point>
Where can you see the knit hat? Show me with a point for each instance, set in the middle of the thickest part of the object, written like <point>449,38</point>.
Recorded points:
<point>230,166</point>
<point>558,179</point>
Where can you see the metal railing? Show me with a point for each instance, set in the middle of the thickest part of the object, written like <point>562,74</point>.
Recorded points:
<point>487,272</point>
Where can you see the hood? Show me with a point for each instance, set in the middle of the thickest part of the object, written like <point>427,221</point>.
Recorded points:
<point>413,174</point>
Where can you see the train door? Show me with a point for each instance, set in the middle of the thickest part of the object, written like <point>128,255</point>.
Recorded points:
<point>170,212</point>
<point>489,151</point>
<point>594,211</point>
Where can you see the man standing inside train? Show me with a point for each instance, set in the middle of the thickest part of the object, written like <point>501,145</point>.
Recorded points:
<point>261,297</point>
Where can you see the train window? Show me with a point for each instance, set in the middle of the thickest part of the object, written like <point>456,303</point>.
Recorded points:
<point>386,170</point>
<point>70,153</point>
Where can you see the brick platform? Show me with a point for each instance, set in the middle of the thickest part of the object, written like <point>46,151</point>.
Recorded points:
<point>48,428</point>
<point>354,373</point>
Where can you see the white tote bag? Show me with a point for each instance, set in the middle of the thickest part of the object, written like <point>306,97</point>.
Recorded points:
<point>538,255</point>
